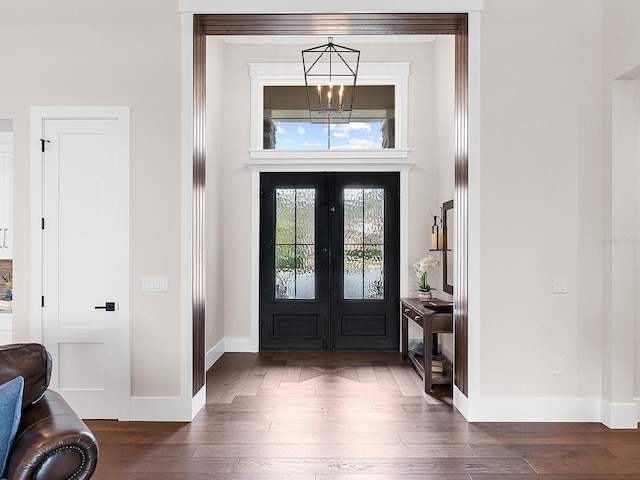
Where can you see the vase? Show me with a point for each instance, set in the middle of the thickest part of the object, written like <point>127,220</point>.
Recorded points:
<point>424,297</point>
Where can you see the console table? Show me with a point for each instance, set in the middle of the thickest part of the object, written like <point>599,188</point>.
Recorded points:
<point>436,318</point>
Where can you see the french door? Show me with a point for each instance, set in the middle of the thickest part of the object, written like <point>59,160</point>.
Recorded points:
<point>329,261</point>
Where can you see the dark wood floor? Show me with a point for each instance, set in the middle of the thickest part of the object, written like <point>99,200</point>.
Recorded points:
<point>350,416</point>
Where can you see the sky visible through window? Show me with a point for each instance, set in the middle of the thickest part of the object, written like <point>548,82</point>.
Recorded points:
<point>305,135</point>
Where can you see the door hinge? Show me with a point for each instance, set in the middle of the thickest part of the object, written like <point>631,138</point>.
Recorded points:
<point>42,301</point>
<point>42,142</point>
<point>43,223</point>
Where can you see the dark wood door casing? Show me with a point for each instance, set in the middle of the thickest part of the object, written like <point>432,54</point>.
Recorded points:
<point>336,24</point>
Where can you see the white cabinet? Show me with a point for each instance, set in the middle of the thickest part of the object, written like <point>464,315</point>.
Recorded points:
<point>6,195</point>
<point>6,327</point>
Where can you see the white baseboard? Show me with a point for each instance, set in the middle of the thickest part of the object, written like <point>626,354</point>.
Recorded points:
<point>161,409</point>
<point>461,402</point>
<point>214,354</point>
<point>198,401</point>
<point>620,415</point>
<point>166,409</point>
<point>237,344</point>
<point>527,409</point>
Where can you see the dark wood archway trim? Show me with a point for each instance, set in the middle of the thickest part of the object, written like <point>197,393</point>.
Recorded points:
<point>198,214</point>
<point>334,24</point>
<point>461,209</point>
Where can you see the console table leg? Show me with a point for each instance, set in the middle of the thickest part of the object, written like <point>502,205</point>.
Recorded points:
<point>427,338</point>
<point>405,337</point>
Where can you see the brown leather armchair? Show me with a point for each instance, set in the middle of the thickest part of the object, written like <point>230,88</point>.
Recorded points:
<point>52,442</point>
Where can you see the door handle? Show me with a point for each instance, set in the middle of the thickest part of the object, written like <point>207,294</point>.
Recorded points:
<point>109,307</point>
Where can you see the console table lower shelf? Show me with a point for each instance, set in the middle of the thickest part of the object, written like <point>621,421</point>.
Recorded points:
<point>430,322</point>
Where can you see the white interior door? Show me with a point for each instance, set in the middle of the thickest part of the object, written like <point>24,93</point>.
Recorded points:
<point>85,205</point>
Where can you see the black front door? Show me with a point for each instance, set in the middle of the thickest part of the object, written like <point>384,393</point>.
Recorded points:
<point>329,261</point>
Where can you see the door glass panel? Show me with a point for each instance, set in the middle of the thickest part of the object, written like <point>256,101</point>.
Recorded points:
<point>295,249</point>
<point>363,243</point>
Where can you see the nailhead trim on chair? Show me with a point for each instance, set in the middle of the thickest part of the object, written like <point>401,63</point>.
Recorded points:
<point>67,447</point>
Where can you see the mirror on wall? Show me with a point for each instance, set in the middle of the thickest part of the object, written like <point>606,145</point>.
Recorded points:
<point>448,232</point>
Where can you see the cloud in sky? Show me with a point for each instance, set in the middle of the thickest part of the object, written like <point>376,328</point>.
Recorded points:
<point>303,135</point>
<point>344,130</point>
<point>360,143</point>
<point>348,127</point>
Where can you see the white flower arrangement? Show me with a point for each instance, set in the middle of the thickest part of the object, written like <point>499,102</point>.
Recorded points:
<point>421,270</point>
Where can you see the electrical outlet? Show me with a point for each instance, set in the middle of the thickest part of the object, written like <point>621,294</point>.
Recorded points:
<point>557,365</point>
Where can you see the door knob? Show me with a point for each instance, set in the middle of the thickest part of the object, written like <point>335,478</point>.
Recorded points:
<point>109,307</point>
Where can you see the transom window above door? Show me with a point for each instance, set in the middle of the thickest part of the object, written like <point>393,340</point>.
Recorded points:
<point>287,124</point>
<point>281,126</point>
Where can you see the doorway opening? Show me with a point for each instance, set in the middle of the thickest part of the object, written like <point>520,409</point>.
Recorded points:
<point>336,24</point>
<point>329,261</point>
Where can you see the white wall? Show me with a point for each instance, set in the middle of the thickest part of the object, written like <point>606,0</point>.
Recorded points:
<point>541,200</point>
<point>443,149</point>
<point>74,52</point>
<point>215,199</point>
<point>621,37</point>
<point>424,176</point>
<point>635,360</point>
<point>621,66</point>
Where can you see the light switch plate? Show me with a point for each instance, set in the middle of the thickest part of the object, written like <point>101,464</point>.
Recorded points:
<point>155,284</point>
<point>560,285</point>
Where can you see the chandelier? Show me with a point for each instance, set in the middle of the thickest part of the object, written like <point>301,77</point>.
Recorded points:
<point>330,73</point>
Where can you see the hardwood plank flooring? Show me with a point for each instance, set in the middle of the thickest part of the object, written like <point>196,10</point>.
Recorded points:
<point>333,416</point>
